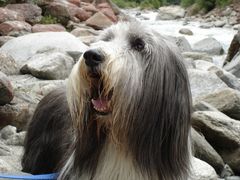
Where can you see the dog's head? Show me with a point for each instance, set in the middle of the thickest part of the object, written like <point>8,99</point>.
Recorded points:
<point>133,77</point>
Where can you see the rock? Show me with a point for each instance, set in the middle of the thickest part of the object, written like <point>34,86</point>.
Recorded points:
<point>88,40</point>
<point>202,171</point>
<point>99,21</point>
<point>49,65</point>
<point>4,150</point>
<point>233,178</point>
<point>106,9</point>
<point>76,2</point>
<point>14,28</point>
<point>203,106</point>
<point>4,39</point>
<point>6,89</point>
<point>181,42</point>
<point>227,171</point>
<point>209,45</point>
<point>225,100</point>
<point>9,15</point>
<point>186,31</point>
<point>236,27</point>
<point>84,32</point>
<point>204,65</point>
<point>48,28</point>
<point>17,139</point>
<point>233,20</point>
<point>82,14</point>
<point>197,56</point>
<point>204,151</point>
<point>189,63</point>
<point>8,65</point>
<point>203,82</point>
<point>234,66</point>
<point>222,133</point>
<point>7,132</point>
<point>219,23</point>
<point>206,25</point>
<point>24,47</point>
<point>170,13</point>
<point>89,7</point>
<point>5,167</point>
<point>31,12</point>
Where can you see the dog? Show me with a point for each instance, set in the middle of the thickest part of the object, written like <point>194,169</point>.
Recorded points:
<point>124,115</point>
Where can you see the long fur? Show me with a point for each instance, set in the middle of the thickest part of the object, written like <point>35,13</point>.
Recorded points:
<point>146,135</point>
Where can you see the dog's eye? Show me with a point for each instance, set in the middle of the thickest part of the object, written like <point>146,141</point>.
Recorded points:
<point>138,44</point>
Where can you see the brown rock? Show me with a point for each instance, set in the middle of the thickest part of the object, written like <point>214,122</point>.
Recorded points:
<point>106,9</point>
<point>99,21</point>
<point>6,90</point>
<point>31,12</point>
<point>48,28</point>
<point>89,7</point>
<point>14,28</point>
<point>9,15</point>
<point>76,2</point>
<point>83,15</point>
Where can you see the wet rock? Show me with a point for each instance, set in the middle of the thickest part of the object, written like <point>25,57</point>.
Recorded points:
<point>202,171</point>
<point>186,31</point>
<point>181,42</point>
<point>4,39</point>
<point>14,28</point>
<point>219,23</point>
<point>8,65</point>
<point>24,47</point>
<point>197,56</point>
<point>209,46</point>
<point>234,66</point>
<point>9,15</point>
<point>170,13</point>
<point>204,82</point>
<point>48,28</point>
<point>6,89</point>
<point>31,12</point>
<point>49,65</point>
<point>206,25</point>
<point>99,21</point>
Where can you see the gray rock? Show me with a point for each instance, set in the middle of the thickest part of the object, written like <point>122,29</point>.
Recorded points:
<point>206,25</point>
<point>203,82</point>
<point>6,90</point>
<point>7,132</point>
<point>219,23</point>
<point>234,66</point>
<point>197,56</point>
<point>49,65</point>
<point>170,13</point>
<point>4,150</point>
<point>205,65</point>
<point>202,171</point>
<point>181,42</point>
<point>24,47</point>
<point>186,31</point>
<point>233,178</point>
<point>82,31</point>
<point>8,65</point>
<point>17,139</point>
<point>4,39</point>
<point>204,151</point>
<point>5,167</point>
<point>209,45</point>
<point>225,100</point>
<point>203,106</point>
<point>88,40</point>
<point>229,79</point>
<point>189,63</point>
<point>236,27</point>
<point>227,171</point>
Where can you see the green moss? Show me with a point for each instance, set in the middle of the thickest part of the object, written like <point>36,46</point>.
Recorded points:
<point>48,19</point>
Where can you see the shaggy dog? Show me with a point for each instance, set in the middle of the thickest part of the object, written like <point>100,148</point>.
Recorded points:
<point>125,114</point>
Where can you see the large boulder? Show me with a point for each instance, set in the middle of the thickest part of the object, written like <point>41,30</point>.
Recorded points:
<point>222,133</point>
<point>15,28</point>
<point>204,151</point>
<point>49,65</point>
<point>170,13</point>
<point>234,66</point>
<point>99,21</point>
<point>6,90</point>
<point>202,171</point>
<point>9,15</point>
<point>8,65</point>
<point>24,47</point>
<point>225,100</point>
<point>31,12</point>
<point>209,45</point>
<point>204,82</point>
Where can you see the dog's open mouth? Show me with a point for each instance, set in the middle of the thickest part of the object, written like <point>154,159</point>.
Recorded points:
<point>100,100</point>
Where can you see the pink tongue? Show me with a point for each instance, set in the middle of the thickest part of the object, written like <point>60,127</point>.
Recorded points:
<point>100,103</point>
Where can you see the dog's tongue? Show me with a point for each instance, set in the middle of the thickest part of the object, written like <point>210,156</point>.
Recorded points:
<point>100,105</point>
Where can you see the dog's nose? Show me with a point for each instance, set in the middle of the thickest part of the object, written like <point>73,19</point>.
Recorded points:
<point>93,57</point>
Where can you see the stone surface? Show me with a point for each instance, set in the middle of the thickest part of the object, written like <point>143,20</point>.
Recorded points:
<point>4,39</point>
<point>219,23</point>
<point>82,14</point>
<point>106,9</point>
<point>14,28</point>
<point>209,46</point>
<point>24,47</point>
<point>84,32</point>
<point>49,65</point>
<point>234,66</point>
<point>31,12</point>
<point>181,42</point>
<point>48,28</point>
<point>206,25</point>
<point>170,13</point>
<point>6,89</point>
<point>9,15</point>
<point>8,65</point>
<point>203,82</point>
<point>202,171</point>
<point>222,133</point>
<point>226,101</point>
<point>204,151</point>
<point>197,56</point>
<point>186,31</point>
<point>99,21</point>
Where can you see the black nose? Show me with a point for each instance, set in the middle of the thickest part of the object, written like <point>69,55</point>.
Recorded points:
<point>93,57</point>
